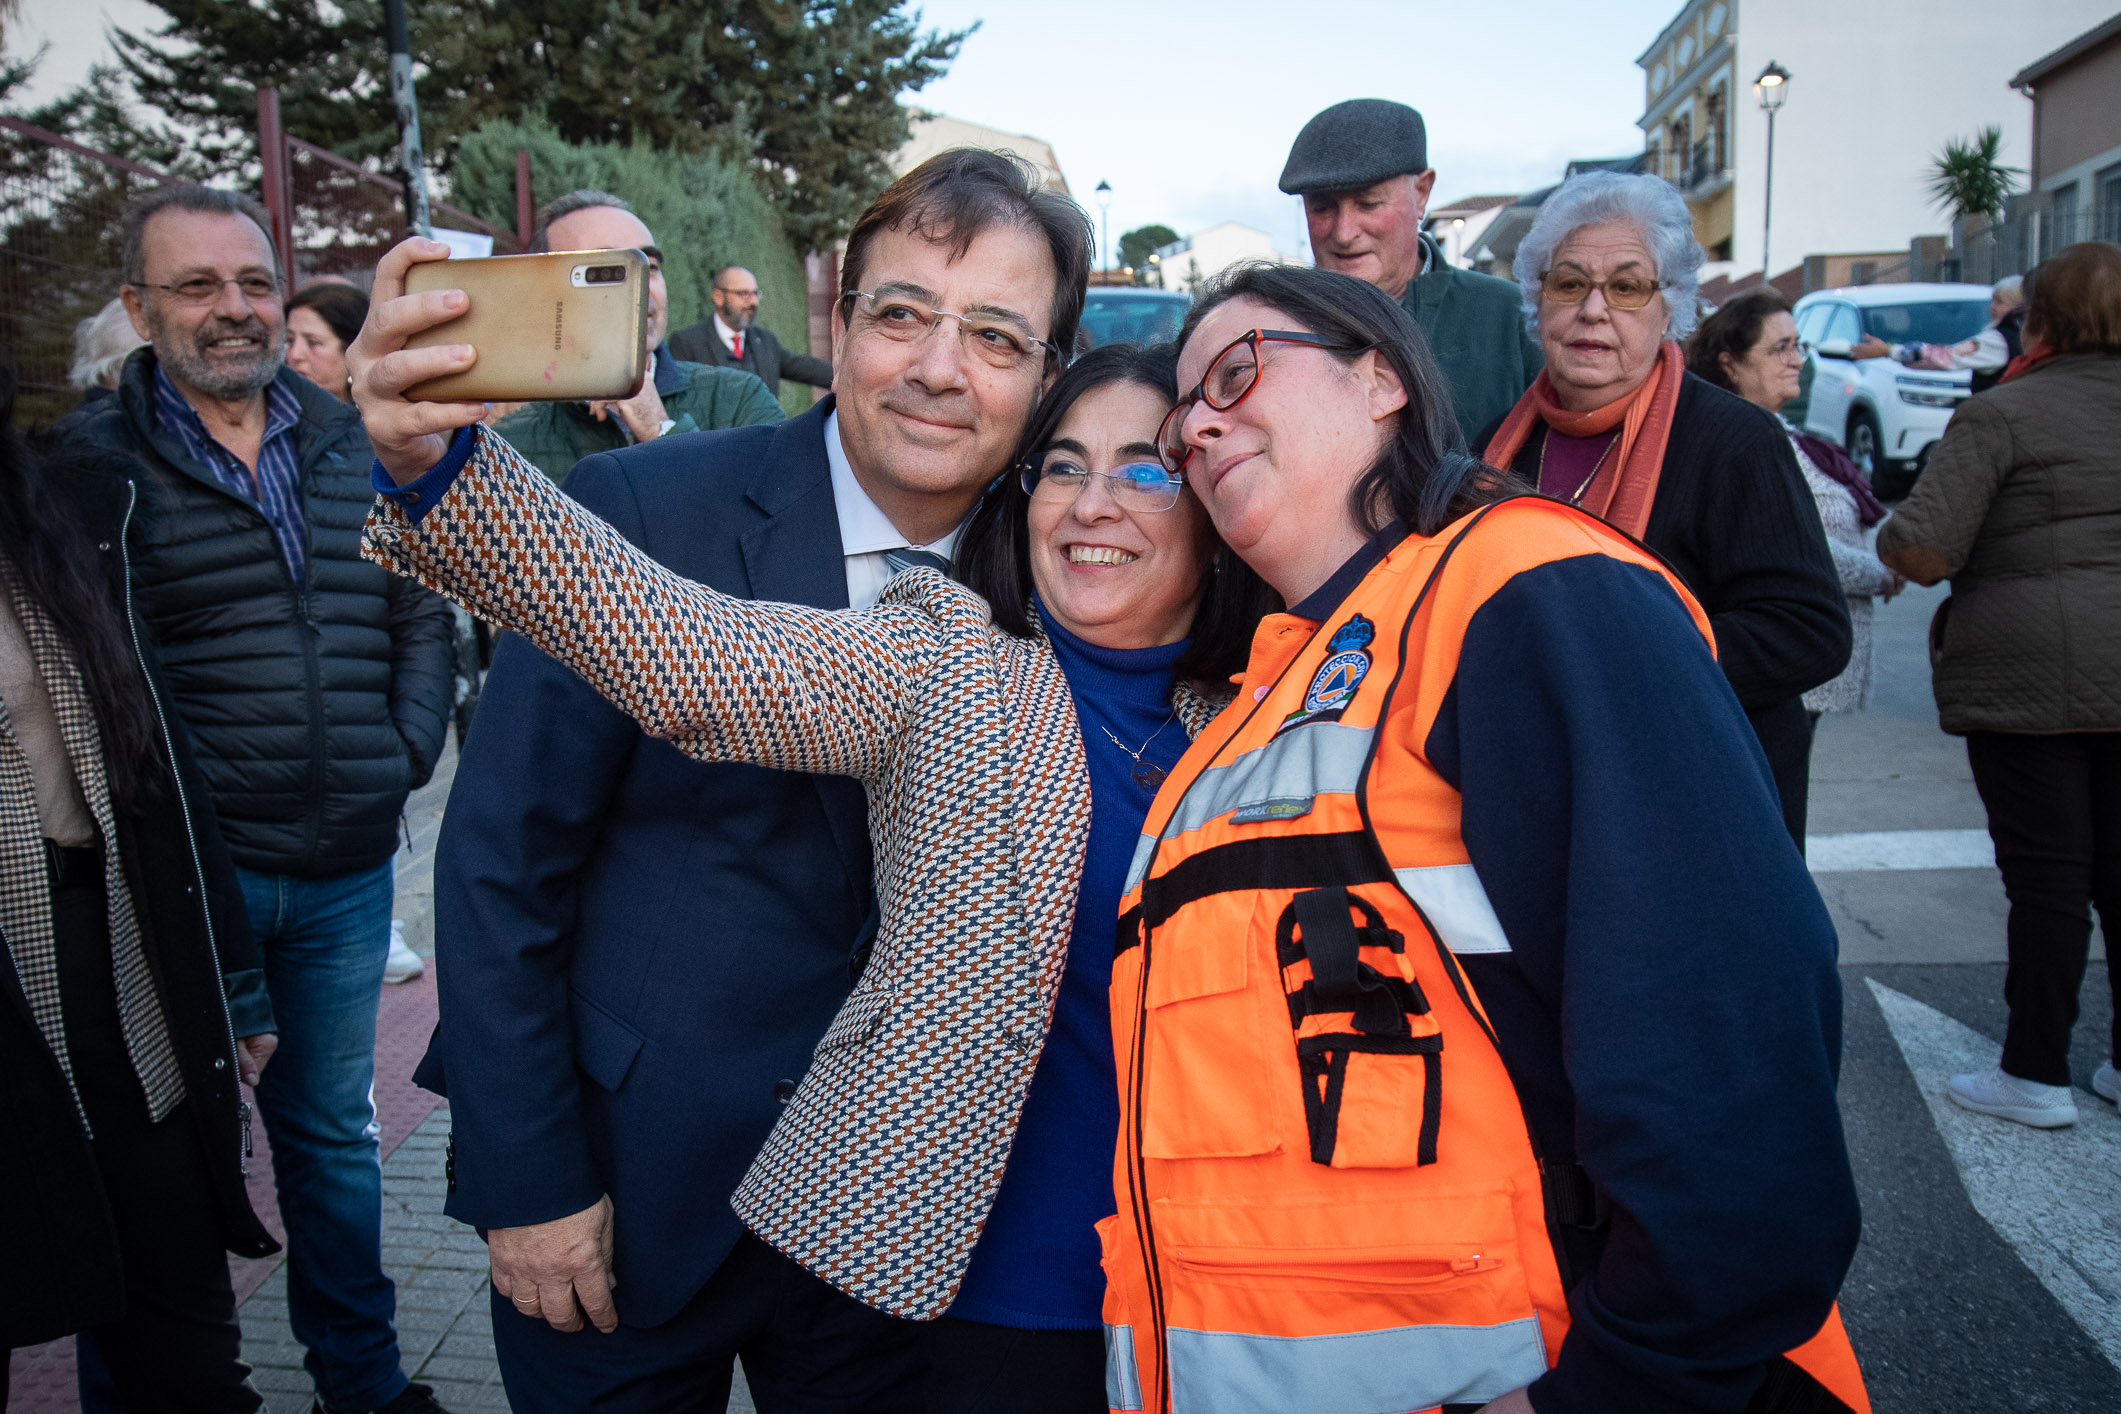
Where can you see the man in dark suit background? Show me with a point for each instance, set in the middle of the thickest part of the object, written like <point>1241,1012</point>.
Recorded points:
<point>637,952</point>
<point>733,337</point>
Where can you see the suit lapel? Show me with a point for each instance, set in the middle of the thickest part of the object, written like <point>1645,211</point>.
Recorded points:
<point>794,556</point>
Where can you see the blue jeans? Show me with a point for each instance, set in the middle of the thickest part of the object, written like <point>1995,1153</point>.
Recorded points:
<point>325,941</point>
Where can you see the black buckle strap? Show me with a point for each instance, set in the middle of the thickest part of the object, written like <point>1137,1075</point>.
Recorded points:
<point>1323,1060</point>
<point>1572,1199</point>
<point>1340,979</point>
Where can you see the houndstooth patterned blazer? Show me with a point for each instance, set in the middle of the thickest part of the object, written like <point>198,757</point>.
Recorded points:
<point>880,1173</point>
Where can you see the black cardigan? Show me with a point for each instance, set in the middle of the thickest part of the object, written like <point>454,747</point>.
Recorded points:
<point>63,1262</point>
<point>1734,517</point>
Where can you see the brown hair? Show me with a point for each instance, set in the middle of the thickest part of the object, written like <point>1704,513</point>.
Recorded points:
<point>1733,329</point>
<point>2073,299</point>
<point>342,307</point>
<point>955,196</point>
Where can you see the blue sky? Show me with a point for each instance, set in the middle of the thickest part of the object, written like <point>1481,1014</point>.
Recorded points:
<point>1188,107</point>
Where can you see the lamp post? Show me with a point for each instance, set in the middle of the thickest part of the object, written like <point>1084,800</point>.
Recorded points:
<point>1104,208</point>
<point>1771,88</point>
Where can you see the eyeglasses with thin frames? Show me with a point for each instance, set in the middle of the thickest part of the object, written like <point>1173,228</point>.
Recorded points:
<point>994,341</point>
<point>205,289</point>
<point>1137,486</point>
<point>1230,379</point>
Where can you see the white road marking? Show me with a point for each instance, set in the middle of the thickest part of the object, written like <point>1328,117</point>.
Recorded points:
<point>1899,849</point>
<point>2053,1194</point>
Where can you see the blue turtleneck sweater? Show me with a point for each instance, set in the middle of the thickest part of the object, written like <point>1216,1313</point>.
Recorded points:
<point>1036,1266</point>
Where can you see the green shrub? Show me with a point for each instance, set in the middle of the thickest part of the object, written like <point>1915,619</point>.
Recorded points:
<point>704,210</point>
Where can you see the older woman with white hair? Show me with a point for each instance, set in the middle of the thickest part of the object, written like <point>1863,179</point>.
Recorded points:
<point>1618,426</point>
<point>102,343</point>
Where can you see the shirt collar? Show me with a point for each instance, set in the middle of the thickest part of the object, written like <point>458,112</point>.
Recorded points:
<point>668,376</point>
<point>728,334</point>
<point>864,528</point>
<point>1320,603</point>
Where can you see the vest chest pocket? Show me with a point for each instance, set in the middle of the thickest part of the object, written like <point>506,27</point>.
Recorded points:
<point>1206,1091</point>
<point>1369,1054</point>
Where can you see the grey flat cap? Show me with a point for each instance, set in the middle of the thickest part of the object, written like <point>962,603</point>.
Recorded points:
<point>1356,144</point>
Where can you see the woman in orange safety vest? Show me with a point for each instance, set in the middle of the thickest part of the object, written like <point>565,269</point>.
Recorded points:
<point>1477,1021</point>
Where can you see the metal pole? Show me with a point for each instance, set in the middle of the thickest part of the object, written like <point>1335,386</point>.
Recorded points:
<point>526,205</point>
<point>1767,205</point>
<point>410,160</point>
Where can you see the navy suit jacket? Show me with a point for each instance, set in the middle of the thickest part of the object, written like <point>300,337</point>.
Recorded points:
<point>637,952</point>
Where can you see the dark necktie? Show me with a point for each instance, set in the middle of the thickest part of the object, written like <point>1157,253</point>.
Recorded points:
<point>905,557</point>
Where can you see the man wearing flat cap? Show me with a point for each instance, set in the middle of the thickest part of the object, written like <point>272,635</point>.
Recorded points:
<point>1362,168</point>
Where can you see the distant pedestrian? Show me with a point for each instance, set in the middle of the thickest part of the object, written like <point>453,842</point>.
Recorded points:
<point>675,395</point>
<point>322,319</point>
<point>101,344</point>
<point>131,1008</point>
<point>1362,168</point>
<point>1618,426</point>
<point>2020,507</point>
<point>733,337</point>
<point>316,687</point>
<point>1749,347</point>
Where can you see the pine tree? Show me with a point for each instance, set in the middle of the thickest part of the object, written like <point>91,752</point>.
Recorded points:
<point>804,91</point>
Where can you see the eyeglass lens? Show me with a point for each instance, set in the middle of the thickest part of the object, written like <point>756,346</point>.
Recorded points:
<point>1137,486</point>
<point>904,321</point>
<point>1621,292</point>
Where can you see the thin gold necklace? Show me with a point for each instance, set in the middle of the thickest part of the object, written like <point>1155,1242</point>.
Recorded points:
<point>1577,498</point>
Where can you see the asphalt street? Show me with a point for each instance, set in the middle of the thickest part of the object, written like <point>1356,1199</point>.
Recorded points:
<point>1990,1272</point>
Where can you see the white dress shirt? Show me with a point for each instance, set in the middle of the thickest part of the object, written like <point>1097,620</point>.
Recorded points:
<point>865,531</point>
<point>727,335</point>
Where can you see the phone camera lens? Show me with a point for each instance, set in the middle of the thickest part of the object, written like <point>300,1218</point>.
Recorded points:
<point>607,275</point>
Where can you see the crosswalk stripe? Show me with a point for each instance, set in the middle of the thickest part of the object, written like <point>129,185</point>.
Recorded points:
<point>1899,849</point>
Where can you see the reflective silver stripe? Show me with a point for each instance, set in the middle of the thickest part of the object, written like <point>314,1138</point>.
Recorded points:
<point>1311,761</point>
<point>1363,1372</point>
<point>1457,905</point>
<point>1123,1386</point>
<point>1138,867</point>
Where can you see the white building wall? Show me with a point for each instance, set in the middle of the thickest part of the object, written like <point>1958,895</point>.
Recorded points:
<point>1205,254</point>
<point>1877,87</point>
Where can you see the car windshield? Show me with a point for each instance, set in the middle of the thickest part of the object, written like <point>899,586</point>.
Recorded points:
<point>1932,322</point>
<point>1147,318</point>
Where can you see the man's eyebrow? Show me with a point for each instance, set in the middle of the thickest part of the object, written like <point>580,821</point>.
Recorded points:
<point>906,288</point>
<point>256,267</point>
<point>1579,266</point>
<point>998,311</point>
<point>654,253</point>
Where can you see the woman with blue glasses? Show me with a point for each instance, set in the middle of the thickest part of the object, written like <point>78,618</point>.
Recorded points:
<point>1011,744</point>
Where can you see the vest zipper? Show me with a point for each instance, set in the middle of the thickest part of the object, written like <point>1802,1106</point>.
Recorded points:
<point>191,839</point>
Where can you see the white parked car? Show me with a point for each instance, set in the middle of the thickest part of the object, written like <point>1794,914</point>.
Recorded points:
<point>1884,414</point>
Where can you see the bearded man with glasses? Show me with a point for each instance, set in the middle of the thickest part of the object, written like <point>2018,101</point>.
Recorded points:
<point>640,951</point>
<point>316,688</point>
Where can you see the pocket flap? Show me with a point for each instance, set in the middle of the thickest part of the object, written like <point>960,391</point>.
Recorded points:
<point>1307,1233</point>
<point>604,1046</point>
<point>1198,962</point>
<point>857,1021</point>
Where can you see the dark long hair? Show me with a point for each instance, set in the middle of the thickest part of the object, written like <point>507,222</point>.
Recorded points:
<point>994,551</point>
<point>343,308</point>
<point>1424,478</point>
<point>52,554</point>
<point>1733,329</point>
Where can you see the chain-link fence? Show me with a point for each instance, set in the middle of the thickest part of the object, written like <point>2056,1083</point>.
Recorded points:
<point>59,209</point>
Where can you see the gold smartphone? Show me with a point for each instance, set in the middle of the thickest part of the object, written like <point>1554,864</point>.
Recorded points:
<point>569,324</point>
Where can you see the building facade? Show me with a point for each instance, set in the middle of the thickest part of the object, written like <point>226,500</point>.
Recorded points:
<point>2076,167</point>
<point>1876,89</point>
<point>1188,263</point>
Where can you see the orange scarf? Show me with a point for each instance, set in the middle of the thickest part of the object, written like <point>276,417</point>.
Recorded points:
<point>1624,487</point>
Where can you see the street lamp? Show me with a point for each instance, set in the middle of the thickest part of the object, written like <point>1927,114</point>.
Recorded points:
<point>1771,88</point>
<point>1104,207</point>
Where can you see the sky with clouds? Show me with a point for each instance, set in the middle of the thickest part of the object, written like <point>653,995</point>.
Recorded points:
<point>1188,107</point>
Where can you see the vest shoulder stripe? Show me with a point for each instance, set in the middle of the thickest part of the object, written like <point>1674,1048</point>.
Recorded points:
<point>1457,906</point>
<point>1360,1372</point>
<point>1310,761</point>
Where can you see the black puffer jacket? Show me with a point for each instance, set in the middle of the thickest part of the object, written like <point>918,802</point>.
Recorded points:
<point>63,1264</point>
<point>316,708</point>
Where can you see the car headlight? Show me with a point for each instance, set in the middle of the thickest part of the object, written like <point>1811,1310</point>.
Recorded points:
<point>1929,393</point>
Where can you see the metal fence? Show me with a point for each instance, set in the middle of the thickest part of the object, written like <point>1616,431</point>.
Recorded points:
<point>59,209</point>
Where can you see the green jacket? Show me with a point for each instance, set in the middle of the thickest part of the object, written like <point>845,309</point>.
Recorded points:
<point>554,436</point>
<point>1475,327</point>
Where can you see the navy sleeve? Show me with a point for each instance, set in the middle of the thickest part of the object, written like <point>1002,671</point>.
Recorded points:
<point>1670,1006</point>
<point>417,497</point>
<point>540,769</point>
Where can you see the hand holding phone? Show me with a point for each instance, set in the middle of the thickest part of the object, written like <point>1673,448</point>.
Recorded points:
<point>561,325</point>
<point>408,436</point>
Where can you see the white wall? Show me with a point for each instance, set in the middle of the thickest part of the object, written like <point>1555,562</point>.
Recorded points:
<point>1214,250</point>
<point>1877,87</point>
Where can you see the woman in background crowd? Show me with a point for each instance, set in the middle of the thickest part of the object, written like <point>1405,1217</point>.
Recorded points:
<point>2020,507</point>
<point>102,343</point>
<point>1749,347</point>
<point>1617,426</point>
<point>322,319</point>
<point>135,993</point>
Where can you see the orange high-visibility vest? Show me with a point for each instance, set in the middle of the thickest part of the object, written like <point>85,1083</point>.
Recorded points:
<point>1329,1196</point>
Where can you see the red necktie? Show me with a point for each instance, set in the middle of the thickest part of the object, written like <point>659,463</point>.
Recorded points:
<point>737,341</point>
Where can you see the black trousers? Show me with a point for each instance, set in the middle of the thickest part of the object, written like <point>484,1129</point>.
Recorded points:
<point>975,1368</point>
<point>806,1348</point>
<point>2054,811</point>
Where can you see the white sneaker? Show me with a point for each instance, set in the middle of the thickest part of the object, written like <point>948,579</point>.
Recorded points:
<point>2106,1082</point>
<point>2008,1097</point>
<point>403,964</point>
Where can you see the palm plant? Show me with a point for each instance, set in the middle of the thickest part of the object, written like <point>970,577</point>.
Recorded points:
<point>1966,179</point>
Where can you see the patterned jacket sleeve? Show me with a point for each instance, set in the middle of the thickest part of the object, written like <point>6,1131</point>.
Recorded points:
<point>779,685</point>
